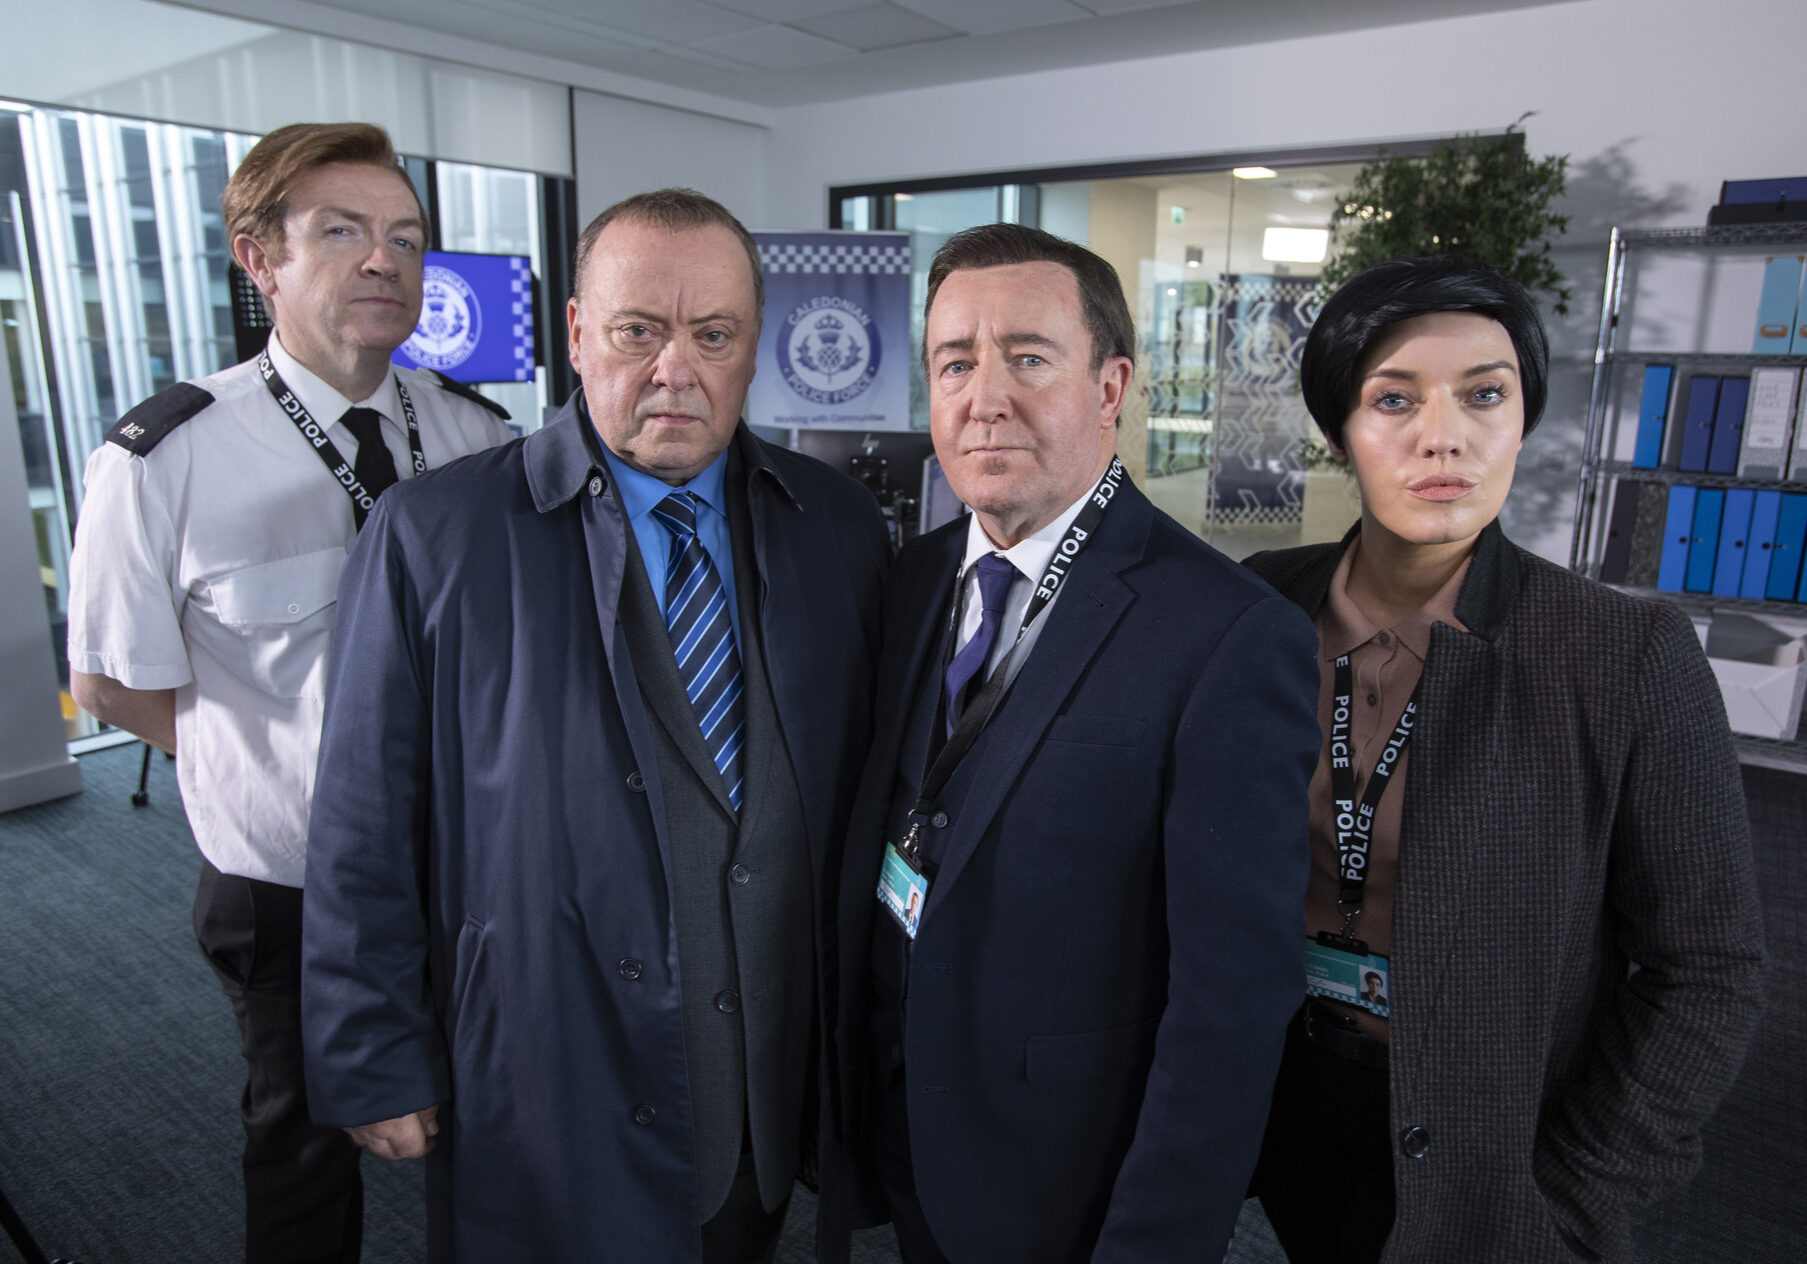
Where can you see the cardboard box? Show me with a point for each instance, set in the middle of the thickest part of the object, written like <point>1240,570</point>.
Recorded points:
<point>1762,673</point>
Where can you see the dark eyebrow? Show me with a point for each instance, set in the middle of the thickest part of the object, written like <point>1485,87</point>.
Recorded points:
<point>1025,339</point>
<point>1406,375</point>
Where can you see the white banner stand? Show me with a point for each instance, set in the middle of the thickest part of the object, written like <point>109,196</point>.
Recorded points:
<point>34,754</point>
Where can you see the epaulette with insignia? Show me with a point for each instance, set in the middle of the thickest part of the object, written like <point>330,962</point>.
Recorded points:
<point>145,426</point>
<point>459,388</point>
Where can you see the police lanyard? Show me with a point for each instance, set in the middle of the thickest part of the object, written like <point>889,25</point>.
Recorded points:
<point>1353,819</point>
<point>979,711</point>
<point>296,411</point>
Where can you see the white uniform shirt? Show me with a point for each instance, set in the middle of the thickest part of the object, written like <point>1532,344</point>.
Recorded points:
<point>210,565</point>
<point>1030,557</point>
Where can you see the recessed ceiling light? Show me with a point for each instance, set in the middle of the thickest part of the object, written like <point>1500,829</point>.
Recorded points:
<point>1253,173</point>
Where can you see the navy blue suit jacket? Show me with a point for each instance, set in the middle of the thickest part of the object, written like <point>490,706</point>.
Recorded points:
<point>1113,941</point>
<point>487,899</point>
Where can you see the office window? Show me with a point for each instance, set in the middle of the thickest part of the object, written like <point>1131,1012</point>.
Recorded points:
<point>1219,263</point>
<point>114,285</point>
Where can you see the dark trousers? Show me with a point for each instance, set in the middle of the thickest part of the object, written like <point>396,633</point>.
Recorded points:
<point>891,1152</point>
<point>304,1198</point>
<point>743,1231</point>
<point>1325,1177</point>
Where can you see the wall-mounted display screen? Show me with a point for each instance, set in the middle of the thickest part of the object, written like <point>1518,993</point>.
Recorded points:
<point>476,318</point>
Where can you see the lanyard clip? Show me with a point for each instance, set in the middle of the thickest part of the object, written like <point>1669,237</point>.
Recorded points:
<point>911,847</point>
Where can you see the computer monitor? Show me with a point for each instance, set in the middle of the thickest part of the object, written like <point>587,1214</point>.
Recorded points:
<point>938,503</point>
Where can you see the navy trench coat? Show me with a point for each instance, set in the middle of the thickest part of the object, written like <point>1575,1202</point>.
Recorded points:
<point>487,897</point>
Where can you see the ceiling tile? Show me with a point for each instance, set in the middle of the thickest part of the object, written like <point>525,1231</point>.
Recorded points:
<point>877,26</point>
<point>789,10</point>
<point>775,48</point>
<point>995,16</point>
<point>669,21</point>
<point>1103,7</point>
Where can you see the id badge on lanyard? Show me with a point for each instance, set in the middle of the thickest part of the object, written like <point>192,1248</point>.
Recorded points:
<point>1358,979</point>
<point>1338,965</point>
<point>903,890</point>
<point>903,886</point>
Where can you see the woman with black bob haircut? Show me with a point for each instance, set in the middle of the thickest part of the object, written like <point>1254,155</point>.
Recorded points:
<point>1527,820</point>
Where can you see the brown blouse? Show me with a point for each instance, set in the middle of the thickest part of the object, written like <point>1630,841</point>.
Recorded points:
<point>1386,663</point>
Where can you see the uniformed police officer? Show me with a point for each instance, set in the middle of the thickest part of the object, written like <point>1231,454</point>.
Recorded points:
<point>217,518</point>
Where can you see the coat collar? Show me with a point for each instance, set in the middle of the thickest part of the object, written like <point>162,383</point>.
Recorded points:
<point>1489,592</point>
<point>564,456</point>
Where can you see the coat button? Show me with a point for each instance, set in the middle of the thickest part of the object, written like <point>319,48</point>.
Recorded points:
<point>727,1000</point>
<point>596,490</point>
<point>739,875</point>
<point>939,820</point>
<point>644,1114</point>
<point>1415,1141</point>
<point>628,968</point>
<point>636,782</point>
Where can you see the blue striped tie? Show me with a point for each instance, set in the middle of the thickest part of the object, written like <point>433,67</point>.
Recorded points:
<point>702,638</point>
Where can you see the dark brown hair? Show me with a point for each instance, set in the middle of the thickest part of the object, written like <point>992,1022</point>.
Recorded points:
<point>674,210</point>
<point>1101,300</point>
<point>256,198</point>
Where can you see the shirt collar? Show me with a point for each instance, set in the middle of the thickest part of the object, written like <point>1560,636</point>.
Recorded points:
<point>639,492</point>
<point>1343,627</point>
<point>323,402</point>
<point>1030,556</point>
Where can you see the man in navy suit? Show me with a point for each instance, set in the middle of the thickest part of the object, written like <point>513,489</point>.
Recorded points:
<point>1094,738</point>
<point>597,707</point>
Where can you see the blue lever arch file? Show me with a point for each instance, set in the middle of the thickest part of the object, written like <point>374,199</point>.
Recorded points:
<point>1673,569</point>
<point>1653,413</point>
<point>1697,423</point>
<point>1760,544</point>
<point>1734,536</point>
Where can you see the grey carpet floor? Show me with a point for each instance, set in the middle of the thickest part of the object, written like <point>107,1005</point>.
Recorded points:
<point>119,1070</point>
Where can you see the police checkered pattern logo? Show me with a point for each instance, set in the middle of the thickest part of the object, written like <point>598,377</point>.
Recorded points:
<point>837,257</point>
<point>520,306</point>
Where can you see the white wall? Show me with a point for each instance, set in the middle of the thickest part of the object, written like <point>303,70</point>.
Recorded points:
<point>1656,102</point>
<point>1689,93</point>
<point>625,147</point>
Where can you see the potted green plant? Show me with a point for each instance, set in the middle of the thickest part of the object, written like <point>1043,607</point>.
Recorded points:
<point>1481,195</point>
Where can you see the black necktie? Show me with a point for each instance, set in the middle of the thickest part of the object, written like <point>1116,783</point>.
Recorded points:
<point>374,467</point>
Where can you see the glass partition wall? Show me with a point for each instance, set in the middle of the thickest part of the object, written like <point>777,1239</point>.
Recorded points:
<point>1220,265</point>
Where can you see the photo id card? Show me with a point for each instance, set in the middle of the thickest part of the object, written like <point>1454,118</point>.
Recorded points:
<point>902,891</point>
<point>1344,976</point>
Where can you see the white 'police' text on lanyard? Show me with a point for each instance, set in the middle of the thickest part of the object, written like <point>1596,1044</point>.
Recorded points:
<point>311,430</point>
<point>1353,819</point>
<point>978,713</point>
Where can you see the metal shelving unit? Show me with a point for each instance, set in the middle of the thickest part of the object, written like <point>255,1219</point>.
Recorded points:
<point>1600,471</point>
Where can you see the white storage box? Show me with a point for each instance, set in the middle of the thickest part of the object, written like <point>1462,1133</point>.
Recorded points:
<point>1760,669</point>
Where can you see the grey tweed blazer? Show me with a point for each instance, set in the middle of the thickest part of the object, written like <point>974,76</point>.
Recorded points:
<point>1576,933</point>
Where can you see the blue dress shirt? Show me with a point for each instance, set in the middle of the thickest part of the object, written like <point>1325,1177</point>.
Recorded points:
<point>640,492</point>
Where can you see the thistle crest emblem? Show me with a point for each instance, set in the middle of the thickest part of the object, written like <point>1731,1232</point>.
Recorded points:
<point>828,350</point>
